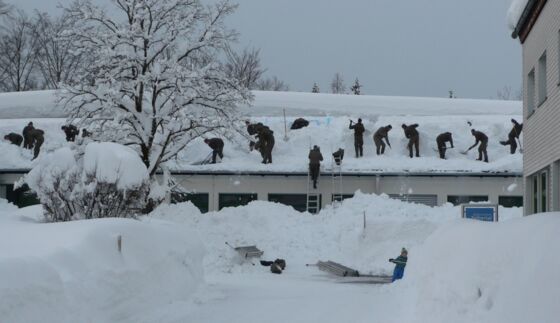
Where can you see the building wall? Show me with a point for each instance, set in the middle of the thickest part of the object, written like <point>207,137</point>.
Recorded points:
<point>540,138</point>
<point>493,187</point>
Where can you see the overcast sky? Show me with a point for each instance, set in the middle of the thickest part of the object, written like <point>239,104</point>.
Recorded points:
<point>394,47</point>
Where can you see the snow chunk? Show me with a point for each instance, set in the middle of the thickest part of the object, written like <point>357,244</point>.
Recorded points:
<point>515,11</point>
<point>512,187</point>
<point>114,163</point>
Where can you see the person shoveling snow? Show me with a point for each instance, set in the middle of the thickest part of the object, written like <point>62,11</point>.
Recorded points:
<point>400,263</point>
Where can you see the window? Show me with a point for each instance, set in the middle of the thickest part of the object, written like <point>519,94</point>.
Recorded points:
<point>542,79</point>
<point>200,200</point>
<point>531,92</point>
<point>235,199</point>
<point>463,199</point>
<point>297,201</point>
<point>539,191</point>
<point>341,197</point>
<point>510,201</point>
<point>426,199</point>
<point>22,196</point>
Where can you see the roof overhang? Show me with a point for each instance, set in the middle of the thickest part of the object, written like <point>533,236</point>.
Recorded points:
<point>528,19</point>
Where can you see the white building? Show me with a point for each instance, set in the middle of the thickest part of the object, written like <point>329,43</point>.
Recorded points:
<point>240,177</point>
<point>538,30</point>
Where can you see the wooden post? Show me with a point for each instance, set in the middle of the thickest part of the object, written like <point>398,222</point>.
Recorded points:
<point>119,243</point>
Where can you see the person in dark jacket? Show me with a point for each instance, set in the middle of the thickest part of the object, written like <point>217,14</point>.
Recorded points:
<point>483,140</point>
<point>27,140</point>
<point>411,133</point>
<point>217,146</point>
<point>513,135</point>
<point>71,131</point>
<point>37,139</point>
<point>338,156</point>
<point>400,264</point>
<point>378,136</point>
<point>442,141</point>
<point>315,158</point>
<point>266,138</point>
<point>299,123</point>
<point>358,137</point>
<point>14,138</point>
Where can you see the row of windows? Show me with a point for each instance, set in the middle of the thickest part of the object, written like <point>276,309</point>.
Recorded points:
<point>299,201</point>
<point>541,81</point>
<point>23,197</point>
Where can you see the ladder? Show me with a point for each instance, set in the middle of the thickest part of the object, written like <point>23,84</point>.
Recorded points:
<point>336,176</point>
<point>313,201</point>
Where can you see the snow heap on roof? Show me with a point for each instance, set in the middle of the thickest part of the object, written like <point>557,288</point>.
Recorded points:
<point>515,11</point>
<point>328,115</point>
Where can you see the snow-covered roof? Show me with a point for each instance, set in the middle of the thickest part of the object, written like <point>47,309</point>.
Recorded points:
<point>328,115</point>
<point>515,11</point>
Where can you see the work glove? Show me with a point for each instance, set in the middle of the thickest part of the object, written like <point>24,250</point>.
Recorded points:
<point>391,260</point>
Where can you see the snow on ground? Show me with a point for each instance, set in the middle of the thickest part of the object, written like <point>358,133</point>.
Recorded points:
<point>72,272</point>
<point>459,270</point>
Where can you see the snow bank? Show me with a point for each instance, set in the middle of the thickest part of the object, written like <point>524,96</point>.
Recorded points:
<point>336,233</point>
<point>515,11</point>
<point>486,272</point>
<point>73,272</point>
<point>114,163</point>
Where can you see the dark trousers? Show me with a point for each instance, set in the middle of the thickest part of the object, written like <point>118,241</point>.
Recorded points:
<point>379,145</point>
<point>37,147</point>
<point>442,148</point>
<point>512,142</point>
<point>267,156</point>
<point>482,151</point>
<point>314,173</point>
<point>359,146</point>
<point>217,152</point>
<point>27,142</point>
<point>416,143</point>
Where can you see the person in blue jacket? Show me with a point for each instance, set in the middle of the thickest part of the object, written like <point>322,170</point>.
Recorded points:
<point>400,263</point>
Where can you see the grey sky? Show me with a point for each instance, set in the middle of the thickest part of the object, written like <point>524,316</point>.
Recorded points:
<point>395,47</point>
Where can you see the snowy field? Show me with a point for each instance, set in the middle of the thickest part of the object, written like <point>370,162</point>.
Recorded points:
<point>175,266</point>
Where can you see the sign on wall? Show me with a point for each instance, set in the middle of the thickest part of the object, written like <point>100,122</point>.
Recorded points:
<point>481,212</point>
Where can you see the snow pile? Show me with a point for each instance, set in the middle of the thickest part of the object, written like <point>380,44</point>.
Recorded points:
<point>73,272</point>
<point>114,163</point>
<point>335,234</point>
<point>470,271</point>
<point>515,11</point>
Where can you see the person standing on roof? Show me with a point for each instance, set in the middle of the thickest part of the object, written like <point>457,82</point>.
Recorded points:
<point>37,139</point>
<point>27,140</point>
<point>413,136</point>
<point>483,140</point>
<point>71,131</point>
<point>315,158</point>
<point>400,264</point>
<point>513,135</point>
<point>217,146</point>
<point>358,137</point>
<point>381,133</point>
<point>442,141</point>
<point>266,138</point>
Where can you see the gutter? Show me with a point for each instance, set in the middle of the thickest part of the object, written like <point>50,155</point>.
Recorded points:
<point>523,19</point>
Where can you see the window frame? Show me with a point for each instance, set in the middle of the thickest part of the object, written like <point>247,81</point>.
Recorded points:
<point>531,107</point>
<point>542,91</point>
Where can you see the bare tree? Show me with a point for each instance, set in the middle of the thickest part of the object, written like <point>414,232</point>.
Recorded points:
<point>18,49</point>
<point>272,84</point>
<point>57,60</point>
<point>244,67</point>
<point>504,93</point>
<point>337,84</point>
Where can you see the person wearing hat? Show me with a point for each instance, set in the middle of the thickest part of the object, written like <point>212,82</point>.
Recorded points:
<point>400,263</point>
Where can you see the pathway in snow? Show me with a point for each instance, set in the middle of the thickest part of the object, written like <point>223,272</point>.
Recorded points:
<point>304,296</point>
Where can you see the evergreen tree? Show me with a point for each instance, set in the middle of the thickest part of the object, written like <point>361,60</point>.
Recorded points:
<point>356,87</point>
<point>315,88</point>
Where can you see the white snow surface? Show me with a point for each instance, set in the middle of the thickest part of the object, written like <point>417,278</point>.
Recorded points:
<point>458,270</point>
<point>73,272</point>
<point>515,11</point>
<point>113,163</point>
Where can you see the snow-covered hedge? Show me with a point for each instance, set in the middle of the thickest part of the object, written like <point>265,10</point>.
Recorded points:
<point>98,181</point>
